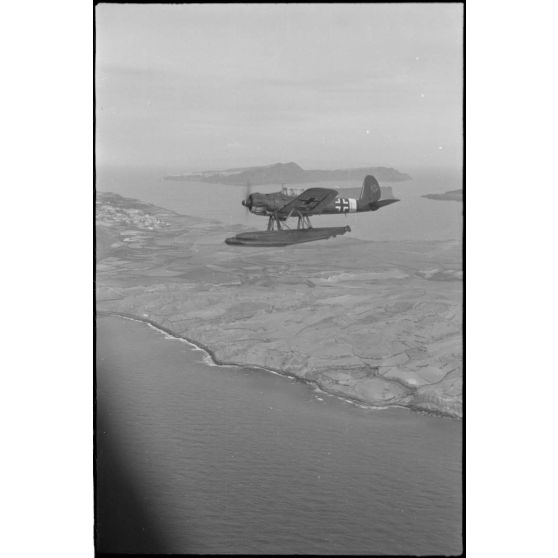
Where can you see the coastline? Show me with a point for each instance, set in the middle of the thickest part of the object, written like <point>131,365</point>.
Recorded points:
<point>316,385</point>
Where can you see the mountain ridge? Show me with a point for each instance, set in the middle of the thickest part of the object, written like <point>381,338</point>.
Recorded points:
<point>288,173</point>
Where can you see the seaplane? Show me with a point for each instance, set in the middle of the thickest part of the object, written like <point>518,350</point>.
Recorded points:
<point>287,204</point>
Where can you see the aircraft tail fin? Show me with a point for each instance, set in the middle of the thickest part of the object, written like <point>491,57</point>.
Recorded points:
<point>370,192</point>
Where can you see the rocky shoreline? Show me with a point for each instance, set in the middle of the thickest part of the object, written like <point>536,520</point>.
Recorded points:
<point>312,383</point>
<point>378,323</point>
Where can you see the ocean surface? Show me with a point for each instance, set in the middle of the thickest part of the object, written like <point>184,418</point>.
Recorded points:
<point>413,218</point>
<point>197,458</point>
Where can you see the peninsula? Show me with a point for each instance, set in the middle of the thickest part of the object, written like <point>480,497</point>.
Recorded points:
<point>451,195</point>
<point>288,173</point>
<point>375,322</point>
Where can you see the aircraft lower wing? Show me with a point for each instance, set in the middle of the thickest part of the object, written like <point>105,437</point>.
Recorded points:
<point>310,201</point>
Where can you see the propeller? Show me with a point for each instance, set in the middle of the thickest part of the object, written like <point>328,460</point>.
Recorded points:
<point>247,201</point>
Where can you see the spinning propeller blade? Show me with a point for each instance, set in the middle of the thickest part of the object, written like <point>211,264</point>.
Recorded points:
<point>247,202</point>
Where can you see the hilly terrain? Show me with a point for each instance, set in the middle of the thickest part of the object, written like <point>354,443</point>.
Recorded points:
<point>378,323</point>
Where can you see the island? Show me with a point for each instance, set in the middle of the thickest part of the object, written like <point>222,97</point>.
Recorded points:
<point>451,195</point>
<point>288,173</point>
<point>376,323</point>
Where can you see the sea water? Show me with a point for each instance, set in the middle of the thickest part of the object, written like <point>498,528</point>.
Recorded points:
<point>193,458</point>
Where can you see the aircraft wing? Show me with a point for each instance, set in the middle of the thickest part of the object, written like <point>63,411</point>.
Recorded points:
<point>310,201</point>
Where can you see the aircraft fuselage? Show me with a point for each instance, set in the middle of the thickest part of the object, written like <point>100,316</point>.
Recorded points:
<point>269,204</point>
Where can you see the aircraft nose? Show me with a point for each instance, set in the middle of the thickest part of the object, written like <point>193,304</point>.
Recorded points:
<point>247,202</point>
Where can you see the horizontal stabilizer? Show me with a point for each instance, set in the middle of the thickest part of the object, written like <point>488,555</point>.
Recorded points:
<point>374,206</point>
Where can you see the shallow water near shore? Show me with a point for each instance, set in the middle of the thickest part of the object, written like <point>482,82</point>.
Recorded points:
<point>194,458</point>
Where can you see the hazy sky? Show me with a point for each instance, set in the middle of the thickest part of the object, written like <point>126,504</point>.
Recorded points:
<point>203,86</point>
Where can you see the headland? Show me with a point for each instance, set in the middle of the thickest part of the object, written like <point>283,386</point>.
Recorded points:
<point>451,195</point>
<point>288,173</point>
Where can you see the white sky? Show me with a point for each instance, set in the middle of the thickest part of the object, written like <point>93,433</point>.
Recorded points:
<point>200,86</point>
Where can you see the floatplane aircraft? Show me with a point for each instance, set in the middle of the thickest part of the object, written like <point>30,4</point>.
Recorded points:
<point>283,205</point>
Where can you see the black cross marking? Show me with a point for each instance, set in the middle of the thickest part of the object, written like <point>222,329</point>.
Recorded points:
<point>342,204</point>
